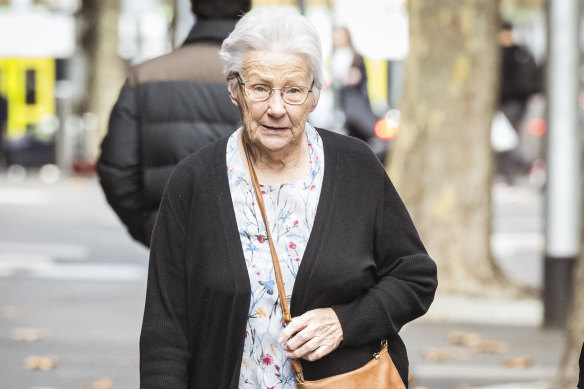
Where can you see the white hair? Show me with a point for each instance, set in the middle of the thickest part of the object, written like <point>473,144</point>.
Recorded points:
<point>276,29</point>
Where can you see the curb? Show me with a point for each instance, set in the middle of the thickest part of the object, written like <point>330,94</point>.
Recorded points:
<point>471,310</point>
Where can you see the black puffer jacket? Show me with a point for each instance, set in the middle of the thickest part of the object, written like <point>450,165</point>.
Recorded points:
<point>169,107</point>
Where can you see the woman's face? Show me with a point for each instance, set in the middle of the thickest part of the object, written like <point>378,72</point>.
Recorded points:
<point>274,125</point>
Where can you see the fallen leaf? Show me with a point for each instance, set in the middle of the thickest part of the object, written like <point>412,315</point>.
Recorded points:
<point>518,362</point>
<point>44,363</point>
<point>491,347</point>
<point>468,339</point>
<point>103,383</point>
<point>446,354</point>
<point>12,311</point>
<point>27,334</point>
<point>412,380</point>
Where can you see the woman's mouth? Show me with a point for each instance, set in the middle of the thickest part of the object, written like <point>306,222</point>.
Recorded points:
<point>273,128</point>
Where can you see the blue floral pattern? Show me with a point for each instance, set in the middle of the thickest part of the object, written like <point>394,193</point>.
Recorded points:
<point>291,209</point>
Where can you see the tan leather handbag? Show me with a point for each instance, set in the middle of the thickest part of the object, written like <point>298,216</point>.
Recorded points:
<point>379,373</point>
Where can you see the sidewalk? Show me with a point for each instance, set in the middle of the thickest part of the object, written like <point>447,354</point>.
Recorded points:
<point>465,342</point>
<point>470,352</point>
<point>461,343</point>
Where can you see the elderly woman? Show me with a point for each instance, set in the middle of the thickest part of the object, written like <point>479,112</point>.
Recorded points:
<point>353,266</point>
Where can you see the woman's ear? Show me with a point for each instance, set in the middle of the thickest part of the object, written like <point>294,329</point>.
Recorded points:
<point>232,93</point>
<point>315,98</point>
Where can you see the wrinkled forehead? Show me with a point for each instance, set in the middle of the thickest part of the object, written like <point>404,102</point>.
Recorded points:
<point>276,67</point>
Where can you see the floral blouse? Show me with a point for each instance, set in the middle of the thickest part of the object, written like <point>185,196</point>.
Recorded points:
<point>290,209</point>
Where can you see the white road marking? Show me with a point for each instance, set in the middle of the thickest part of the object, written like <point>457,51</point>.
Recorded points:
<point>18,196</point>
<point>62,262</point>
<point>70,251</point>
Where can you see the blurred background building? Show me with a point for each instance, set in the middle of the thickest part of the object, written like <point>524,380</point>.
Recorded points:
<point>62,63</point>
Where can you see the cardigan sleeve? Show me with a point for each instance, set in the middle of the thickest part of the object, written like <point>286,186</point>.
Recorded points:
<point>164,351</point>
<point>406,278</point>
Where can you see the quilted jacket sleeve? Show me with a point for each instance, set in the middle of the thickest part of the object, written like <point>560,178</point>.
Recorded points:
<point>120,170</point>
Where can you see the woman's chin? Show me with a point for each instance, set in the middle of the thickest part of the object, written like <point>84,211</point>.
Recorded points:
<point>275,142</point>
<point>275,146</point>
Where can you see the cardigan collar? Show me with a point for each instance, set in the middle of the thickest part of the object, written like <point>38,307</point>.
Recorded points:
<point>323,212</point>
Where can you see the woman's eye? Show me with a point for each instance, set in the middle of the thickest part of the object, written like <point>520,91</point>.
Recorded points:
<point>294,90</point>
<point>260,88</point>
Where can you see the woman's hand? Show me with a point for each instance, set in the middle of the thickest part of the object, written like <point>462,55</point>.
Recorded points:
<point>312,335</point>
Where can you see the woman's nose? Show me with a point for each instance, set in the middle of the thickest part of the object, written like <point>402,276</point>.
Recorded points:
<point>276,104</point>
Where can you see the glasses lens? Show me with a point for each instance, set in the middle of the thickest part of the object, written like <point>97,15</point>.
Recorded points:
<point>257,92</point>
<point>294,94</point>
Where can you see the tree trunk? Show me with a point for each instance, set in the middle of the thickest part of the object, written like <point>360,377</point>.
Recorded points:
<point>574,335</point>
<point>441,162</point>
<point>106,71</point>
<point>568,368</point>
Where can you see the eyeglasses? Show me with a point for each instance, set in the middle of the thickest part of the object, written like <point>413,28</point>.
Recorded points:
<point>257,91</point>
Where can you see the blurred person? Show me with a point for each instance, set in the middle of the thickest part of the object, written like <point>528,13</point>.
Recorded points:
<point>3,125</point>
<point>520,79</point>
<point>168,108</point>
<point>350,72</point>
<point>353,266</point>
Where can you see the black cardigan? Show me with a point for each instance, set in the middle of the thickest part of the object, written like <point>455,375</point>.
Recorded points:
<point>364,259</point>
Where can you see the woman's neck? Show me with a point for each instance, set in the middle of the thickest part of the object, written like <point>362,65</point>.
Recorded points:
<point>273,168</point>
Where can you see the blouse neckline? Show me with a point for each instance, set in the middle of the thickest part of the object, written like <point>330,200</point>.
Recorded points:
<point>311,253</point>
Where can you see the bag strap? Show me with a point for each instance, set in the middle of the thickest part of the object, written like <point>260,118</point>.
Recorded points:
<point>286,317</point>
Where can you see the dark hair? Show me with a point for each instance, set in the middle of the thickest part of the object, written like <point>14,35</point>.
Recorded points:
<point>220,9</point>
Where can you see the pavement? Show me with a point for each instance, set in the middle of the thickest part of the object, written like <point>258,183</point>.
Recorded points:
<point>72,287</point>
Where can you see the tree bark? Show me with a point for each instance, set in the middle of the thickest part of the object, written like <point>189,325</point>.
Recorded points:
<point>568,368</point>
<point>574,336</point>
<point>106,71</point>
<point>441,161</point>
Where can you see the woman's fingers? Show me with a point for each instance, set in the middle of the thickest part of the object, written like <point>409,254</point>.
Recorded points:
<point>312,335</point>
<point>295,325</point>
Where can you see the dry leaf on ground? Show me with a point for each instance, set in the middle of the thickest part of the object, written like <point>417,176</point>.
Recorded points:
<point>412,380</point>
<point>468,339</point>
<point>104,383</point>
<point>12,311</point>
<point>475,341</point>
<point>446,354</point>
<point>518,362</point>
<point>492,347</point>
<point>27,334</point>
<point>44,363</point>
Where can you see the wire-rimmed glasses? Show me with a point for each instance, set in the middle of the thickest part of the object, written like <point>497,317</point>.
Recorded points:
<point>259,91</point>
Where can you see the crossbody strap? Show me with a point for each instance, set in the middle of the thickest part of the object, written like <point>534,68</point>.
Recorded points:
<point>279,280</point>
<point>286,317</point>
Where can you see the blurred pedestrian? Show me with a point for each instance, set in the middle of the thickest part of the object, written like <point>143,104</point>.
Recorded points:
<point>353,268</point>
<point>3,125</point>
<point>520,79</point>
<point>350,74</point>
<point>168,108</point>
